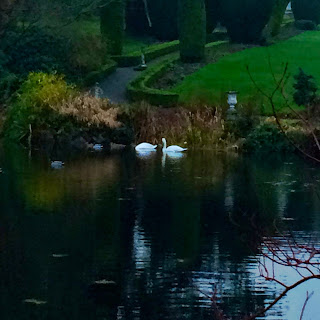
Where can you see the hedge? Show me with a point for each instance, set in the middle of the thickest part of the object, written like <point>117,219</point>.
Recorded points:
<point>99,75</point>
<point>217,36</point>
<point>139,90</point>
<point>152,52</point>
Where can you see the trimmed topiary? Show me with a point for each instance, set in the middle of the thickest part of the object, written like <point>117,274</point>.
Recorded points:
<point>277,15</point>
<point>192,30</point>
<point>306,10</point>
<point>245,19</point>
<point>112,19</point>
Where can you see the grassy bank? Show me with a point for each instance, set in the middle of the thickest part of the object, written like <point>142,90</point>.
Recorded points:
<point>209,84</point>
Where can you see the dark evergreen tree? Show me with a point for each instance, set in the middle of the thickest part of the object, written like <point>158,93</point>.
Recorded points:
<point>277,15</point>
<point>136,17</point>
<point>305,89</point>
<point>112,21</point>
<point>306,10</point>
<point>6,7</point>
<point>164,17</point>
<point>245,19</point>
<point>192,30</point>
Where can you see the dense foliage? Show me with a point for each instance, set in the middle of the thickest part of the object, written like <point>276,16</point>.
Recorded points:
<point>112,26</point>
<point>267,137</point>
<point>192,30</point>
<point>245,19</point>
<point>35,49</point>
<point>163,22</point>
<point>164,18</point>
<point>305,89</point>
<point>306,10</point>
<point>34,104</point>
<point>136,17</point>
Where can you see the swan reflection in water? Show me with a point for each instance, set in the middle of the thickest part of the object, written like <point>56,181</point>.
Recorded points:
<point>174,156</point>
<point>146,154</point>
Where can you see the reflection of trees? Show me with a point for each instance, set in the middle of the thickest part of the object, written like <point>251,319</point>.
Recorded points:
<point>168,237</point>
<point>46,189</point>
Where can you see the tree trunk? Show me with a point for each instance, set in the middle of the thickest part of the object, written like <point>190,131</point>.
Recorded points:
<point>276,19</point>
<point>192,30</point>
<point>112,21</point>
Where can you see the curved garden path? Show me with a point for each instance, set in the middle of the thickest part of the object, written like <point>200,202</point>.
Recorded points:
<point>114,87</point>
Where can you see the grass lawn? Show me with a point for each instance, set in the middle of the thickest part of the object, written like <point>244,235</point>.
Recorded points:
<point>209,84</point>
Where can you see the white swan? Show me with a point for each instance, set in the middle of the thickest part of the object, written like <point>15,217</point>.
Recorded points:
<point>145,147</point>
<point>171,148</point>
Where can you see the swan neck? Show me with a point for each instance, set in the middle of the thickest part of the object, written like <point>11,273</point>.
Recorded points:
<point>164,144</point>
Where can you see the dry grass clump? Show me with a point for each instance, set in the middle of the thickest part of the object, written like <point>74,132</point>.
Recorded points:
<point>202,126</point>
<point>91,111</point>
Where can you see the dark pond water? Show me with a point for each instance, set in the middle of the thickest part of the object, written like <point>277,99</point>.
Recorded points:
<point>127,237</point>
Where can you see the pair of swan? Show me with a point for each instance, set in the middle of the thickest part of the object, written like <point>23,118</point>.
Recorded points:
<point>149,147</point>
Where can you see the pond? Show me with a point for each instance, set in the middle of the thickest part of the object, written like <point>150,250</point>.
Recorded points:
<point>122,236</point>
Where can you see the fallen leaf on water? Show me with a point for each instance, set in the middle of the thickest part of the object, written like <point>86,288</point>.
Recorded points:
<point>104,281</point>
<point>62,255</point>
<point>35,301</point>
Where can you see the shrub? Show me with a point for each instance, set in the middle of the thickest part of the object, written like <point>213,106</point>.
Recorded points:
<point>305,25</point>
<point>36,50</point>
<point>244,121</point>
<point>9,83</point>
<point>192,30</point>
<point>306,10</point>
<point>92,77</point>
<point>34,104</point>
<point>90,111</point>
<point>245,19</point>
<point>305,89</point>
<point>266,137</point>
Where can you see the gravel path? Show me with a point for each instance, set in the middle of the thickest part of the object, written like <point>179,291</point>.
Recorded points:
<point>115,85</point>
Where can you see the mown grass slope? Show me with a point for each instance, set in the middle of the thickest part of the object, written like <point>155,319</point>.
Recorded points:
<point>209,84</point>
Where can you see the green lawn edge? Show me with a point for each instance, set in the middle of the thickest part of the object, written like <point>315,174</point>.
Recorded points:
<point>209,84</point>
<point>140,89</point>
